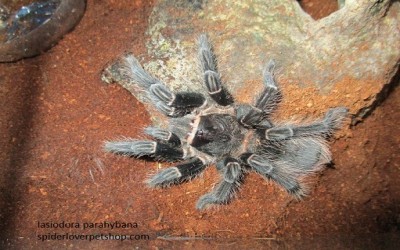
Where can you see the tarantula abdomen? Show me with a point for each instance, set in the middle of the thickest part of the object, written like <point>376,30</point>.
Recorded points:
<point>236,138</point>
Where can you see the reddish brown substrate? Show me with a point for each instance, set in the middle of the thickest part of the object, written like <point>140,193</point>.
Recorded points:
<point>55,114</point>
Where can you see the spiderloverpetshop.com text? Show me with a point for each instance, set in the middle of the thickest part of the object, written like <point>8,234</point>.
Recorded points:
<point>66,230</point>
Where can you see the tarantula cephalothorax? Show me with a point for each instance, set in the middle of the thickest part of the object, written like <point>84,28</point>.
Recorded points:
<point>237,138</point>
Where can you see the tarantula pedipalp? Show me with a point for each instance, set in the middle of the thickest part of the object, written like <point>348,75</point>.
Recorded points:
<point>237,138</point>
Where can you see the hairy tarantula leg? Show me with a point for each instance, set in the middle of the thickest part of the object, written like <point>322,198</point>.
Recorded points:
<point>251,117</point>
<point>171,111</point>
<point>135,72</point>
<point>165,100</point>
<point>185,100</point>
<point>256,117</point>
<point>212,79</point>
<point>180,173</point>
<point>136,148</point>
<point>232,176</point>
<point>163,135</point>
<point>271,95</point>
<point>333,119</point>
<point>287,178</point>
<point>229,168</point>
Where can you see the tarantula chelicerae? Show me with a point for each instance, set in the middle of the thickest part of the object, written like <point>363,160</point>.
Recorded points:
<point>237,138</point>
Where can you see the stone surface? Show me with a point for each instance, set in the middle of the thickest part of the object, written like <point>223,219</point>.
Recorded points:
<point>347,57</point>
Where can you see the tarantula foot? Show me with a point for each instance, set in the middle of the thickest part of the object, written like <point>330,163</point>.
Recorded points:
<point>297,191</point>
<point>222,194</point>
<point>268,73</point>
<point>206,201</point>
<point>226,189</point>
<point>334,117</point>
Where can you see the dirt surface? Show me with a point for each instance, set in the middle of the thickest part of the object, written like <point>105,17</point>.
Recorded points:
<point>56,113</point>
<point>319,9</point>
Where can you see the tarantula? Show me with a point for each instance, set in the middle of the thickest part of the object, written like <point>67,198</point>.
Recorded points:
<point>237,138</point>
